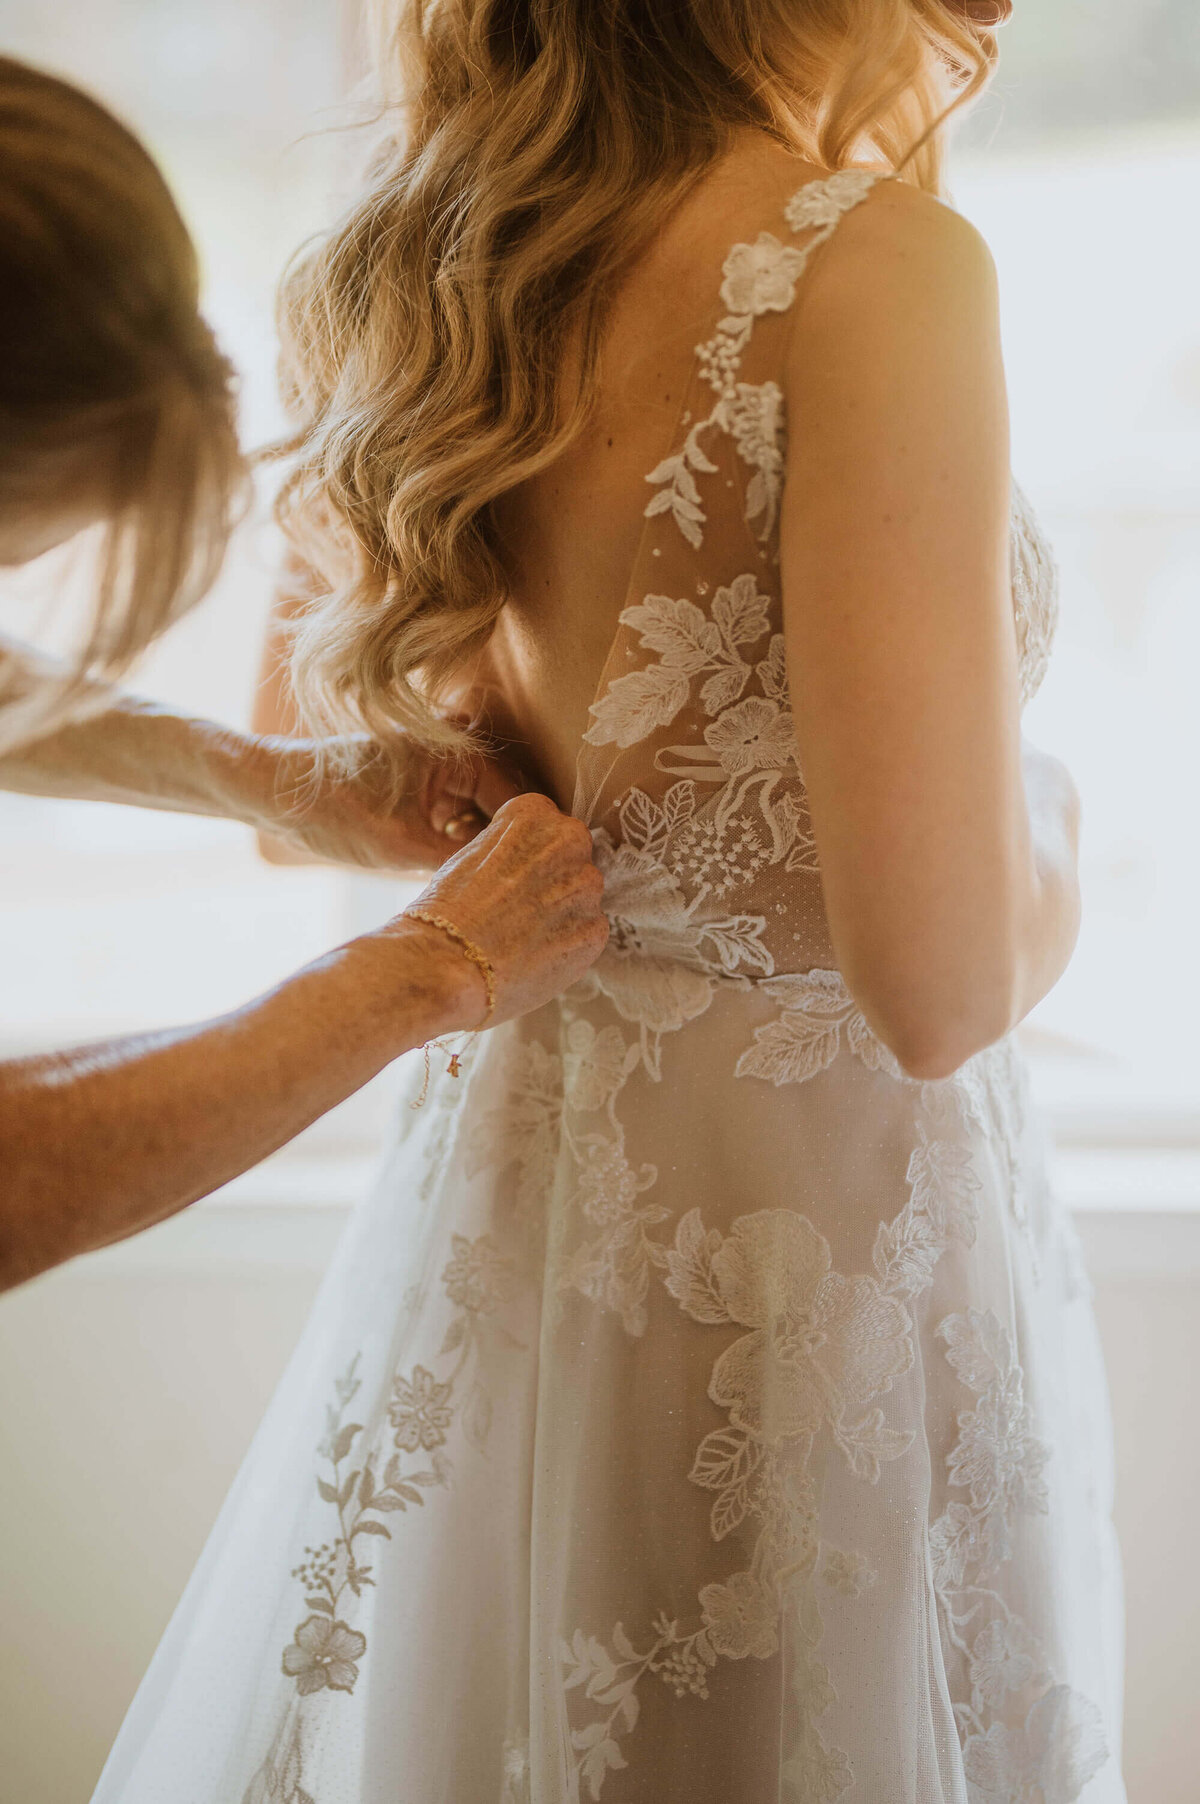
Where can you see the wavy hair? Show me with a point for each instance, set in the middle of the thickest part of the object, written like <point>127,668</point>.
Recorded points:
<point>440,345</point>
<point>111,386</point>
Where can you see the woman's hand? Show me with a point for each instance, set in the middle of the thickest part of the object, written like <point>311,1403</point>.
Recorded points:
<point>359,820</point>
<point>527,892</point>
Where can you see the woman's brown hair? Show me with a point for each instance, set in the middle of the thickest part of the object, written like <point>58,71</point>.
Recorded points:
<point>533,149</point>
<point>112,389</point>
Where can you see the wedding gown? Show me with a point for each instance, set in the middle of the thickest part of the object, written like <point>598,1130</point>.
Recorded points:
<point>700,1409</point>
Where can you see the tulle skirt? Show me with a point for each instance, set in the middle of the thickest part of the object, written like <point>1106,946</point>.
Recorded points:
<point>728,1433</point>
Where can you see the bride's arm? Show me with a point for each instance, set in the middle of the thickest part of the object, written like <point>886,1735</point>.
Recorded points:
<point>948,868</point>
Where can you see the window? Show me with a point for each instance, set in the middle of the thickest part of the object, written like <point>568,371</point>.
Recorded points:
<point>1082,170</point>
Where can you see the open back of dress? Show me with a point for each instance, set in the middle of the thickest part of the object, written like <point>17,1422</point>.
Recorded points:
<point>700,1410</point>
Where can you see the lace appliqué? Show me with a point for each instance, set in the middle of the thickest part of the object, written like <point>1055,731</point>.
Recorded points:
<point>758,278</point>
<point>372,1473</point>
<point>1034,575</point>
<point>818,1350</point>
<point>1024,1736</point>
<point>818,1016</point>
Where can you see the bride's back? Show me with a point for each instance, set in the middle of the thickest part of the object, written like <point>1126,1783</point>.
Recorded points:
<point>571,534</point>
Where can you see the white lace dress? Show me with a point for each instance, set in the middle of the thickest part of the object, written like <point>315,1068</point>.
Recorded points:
<point>700,1411</point>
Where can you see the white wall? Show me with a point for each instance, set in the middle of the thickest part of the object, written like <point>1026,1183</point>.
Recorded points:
<point>131,1383</point>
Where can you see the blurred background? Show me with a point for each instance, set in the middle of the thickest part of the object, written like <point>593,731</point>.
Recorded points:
<point>131,1382</point>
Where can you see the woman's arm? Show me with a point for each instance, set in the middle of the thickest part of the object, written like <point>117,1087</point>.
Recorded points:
<point>98,1142</point>
<point>949,880</point>
<point>127,749</point>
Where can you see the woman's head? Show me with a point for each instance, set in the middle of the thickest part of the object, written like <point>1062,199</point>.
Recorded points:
<point>426,339</point>
<point>115,404</point>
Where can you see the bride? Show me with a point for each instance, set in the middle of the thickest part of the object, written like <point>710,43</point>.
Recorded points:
<point>707,1404</point>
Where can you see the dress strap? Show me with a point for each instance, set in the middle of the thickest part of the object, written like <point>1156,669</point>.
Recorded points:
<point>819,205</point>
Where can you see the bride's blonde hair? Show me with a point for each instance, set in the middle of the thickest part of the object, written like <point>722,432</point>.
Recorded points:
<point>531,150</point>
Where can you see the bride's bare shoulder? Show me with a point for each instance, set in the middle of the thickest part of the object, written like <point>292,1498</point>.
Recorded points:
<point>902,246</point>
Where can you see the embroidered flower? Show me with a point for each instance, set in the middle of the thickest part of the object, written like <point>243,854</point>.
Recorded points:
<point>420,1410</point>
<point>848,1573</point>
<point>652,969</point>
<point>1004,1658</point>
<point>514,1770</point>
<point>952,1547</point>
<point>323,1655</point>
<point>821,204</point>
<point>821,1344</point>
<point>996,1456</point>
<point>1047,1760</point>
<point>594,1065</point>
<point>755,735</point>
<point>761,277</point>
<point>479,1276</point>
<point>608,1184</point>
<point>741,1617</point>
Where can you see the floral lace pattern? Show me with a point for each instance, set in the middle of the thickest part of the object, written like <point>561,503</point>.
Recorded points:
<point>368,1474</point>
<point>759,278</point>
<point>818,1353</point>
<point>1056,1743</point>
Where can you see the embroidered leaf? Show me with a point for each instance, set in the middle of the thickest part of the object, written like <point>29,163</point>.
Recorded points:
<point>371,1528</point>
<point>791,1050</point>
<point>397,1499</point>
<point>728,1510</point>
<point>759,497</point>
<point>366,1489</point>
<point>977,1347</point>
<point>643,823</point>
<point>868,1442</point>
<point>604,1673</point>
<point>328,1491</point>
<point>741,612</point>
<point>727,1456</point>
<point>944,1183</point>
<point>455,1334</point>
<point>811,993</point>
<point>865,1046</point>
<point>772,671</point>
<point>675,471</point>
<point>723,689</point>
<point>320,1603</point>
<point>622,1643</point>
<point>739,941</point>
<point>598,1760</point>
<point>634,705</point>
<point>679,804</point>
<point>688,517</point>
<point>906,1252</point>
<point>477,1416</point>
<point>588,1737</point>
<point>347,1490</point>
<point>803,856</point>
<point>698,459</point>
<point>689,1270</point>
<point>678,630</point>
<point>574,1656</point>
<point>345,1441</point>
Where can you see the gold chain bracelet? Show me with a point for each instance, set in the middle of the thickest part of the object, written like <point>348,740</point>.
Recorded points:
<point>483,965</point>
